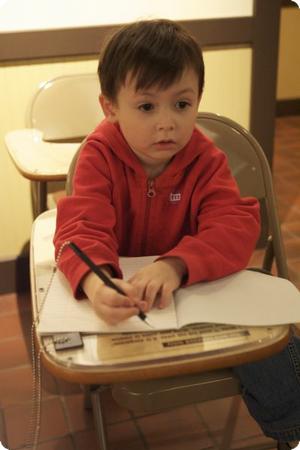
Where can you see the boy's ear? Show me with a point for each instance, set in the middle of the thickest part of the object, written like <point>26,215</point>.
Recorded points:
<point>108,107</point>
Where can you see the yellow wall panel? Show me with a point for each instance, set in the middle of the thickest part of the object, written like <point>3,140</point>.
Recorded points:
<point>288,83</point>
<point>228,83</point>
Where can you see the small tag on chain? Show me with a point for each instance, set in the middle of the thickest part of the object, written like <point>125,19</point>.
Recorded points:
<point>64,341</point>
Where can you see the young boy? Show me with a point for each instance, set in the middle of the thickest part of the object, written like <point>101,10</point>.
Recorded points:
<point>148,182</point>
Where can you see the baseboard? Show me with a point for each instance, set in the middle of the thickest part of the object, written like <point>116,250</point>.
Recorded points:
<point>288,107</point>
<point>14,275</point>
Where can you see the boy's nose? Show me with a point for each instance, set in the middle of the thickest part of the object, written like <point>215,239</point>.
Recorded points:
<point>165,122</point>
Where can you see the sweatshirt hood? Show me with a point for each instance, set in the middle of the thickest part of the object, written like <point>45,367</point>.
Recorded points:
<point>111,136</point>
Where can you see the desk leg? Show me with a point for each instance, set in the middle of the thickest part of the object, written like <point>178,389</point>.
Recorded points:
<point>38,197</point>
<point>99,417</point>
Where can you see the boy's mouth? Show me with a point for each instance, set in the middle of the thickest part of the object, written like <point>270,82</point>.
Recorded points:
<point>165,142</point>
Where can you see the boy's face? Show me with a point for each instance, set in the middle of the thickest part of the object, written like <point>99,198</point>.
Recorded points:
<point>156,123</point>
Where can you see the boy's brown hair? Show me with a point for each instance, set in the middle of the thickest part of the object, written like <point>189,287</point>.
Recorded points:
<point>153,52</point>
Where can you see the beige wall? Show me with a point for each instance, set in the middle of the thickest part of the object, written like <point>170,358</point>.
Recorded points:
<point>227,91</point>
<point>288,85</point>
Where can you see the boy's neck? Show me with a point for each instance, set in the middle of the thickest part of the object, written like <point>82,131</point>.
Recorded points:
<point>154,171</point>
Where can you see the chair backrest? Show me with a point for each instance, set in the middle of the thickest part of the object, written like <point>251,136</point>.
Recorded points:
<point>66,108</point>
<point>72,167</point>
<point>251,170</point>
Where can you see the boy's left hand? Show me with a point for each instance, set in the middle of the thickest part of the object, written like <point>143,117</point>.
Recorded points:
<point>156,282</point>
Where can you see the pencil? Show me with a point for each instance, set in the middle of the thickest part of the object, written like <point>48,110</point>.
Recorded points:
<point>106,280</point>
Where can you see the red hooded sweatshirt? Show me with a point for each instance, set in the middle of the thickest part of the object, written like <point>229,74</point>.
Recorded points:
<point>192,210</point>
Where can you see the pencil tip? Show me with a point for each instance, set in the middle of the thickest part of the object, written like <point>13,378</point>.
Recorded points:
<point>149,325</point>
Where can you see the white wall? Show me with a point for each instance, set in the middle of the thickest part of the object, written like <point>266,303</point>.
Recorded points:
<point>18,15</point>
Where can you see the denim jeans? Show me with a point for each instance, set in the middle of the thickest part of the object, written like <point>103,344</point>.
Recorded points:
<point>271,391</point>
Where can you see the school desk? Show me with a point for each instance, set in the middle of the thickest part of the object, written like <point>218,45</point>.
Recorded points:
<point>83,365</point>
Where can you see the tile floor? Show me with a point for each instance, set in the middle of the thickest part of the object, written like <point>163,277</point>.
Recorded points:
<point>66,425</point>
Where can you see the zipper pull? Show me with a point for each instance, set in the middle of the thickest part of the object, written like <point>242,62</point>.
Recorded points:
<point>151,191</point>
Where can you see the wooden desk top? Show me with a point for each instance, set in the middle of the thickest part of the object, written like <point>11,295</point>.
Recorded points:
<point>38,160</point>
<point>219,346</point>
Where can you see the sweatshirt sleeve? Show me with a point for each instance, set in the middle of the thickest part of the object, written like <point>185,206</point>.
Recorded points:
<point>228,226</point>
<point>87,218</point>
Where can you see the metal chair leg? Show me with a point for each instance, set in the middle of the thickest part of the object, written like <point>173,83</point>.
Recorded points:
<point>87,389</point>
<point>99,417</point>
<point>38,197</point>
<point>230,423</point>
<point>269,255</point>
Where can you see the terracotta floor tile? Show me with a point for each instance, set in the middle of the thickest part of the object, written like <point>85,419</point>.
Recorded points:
<point>14,352</point>
<point>179,429</point>
<point>79,417</point>
<point>119,436</point>
<point>64,443</point>
<point>294,270</point>
<point>124,436</point>
<point>66,388</point>
<point>246,432</point>
<point>295,265</point>
<point>113,412</point>
<point>246,426</point>
<point>284,184</point>
<point>17,422</point>
<point>293,228</point>
<point>292,248</point>
<point>86,440</point>
<point>16,385</point>
<point>3,432</point>
<point>13,303</point>
<point>15,325</point>
<point>214,413</point>
<point>82,418</point>
<point>254,442</point>
<point>287,213</point>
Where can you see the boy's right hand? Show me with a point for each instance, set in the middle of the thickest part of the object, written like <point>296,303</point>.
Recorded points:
<point>109,305</point>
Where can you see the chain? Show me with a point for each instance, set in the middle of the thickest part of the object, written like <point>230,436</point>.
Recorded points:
<point>62,247</point>
<point>36,400</point>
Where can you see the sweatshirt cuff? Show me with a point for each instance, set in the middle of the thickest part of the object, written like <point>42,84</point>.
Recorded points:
<point>81,271</point>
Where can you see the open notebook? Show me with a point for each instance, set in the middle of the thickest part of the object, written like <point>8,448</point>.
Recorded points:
<point>245,298</point>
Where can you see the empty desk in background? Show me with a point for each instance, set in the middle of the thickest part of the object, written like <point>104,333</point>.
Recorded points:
<point>61,113</point>
<point>39,161</point>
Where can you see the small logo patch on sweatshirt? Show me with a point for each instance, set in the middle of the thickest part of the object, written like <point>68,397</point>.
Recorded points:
<point>175,197</point>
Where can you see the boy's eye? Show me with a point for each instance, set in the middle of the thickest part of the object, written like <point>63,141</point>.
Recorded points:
<point>182,104</point>
<point>146,107</point>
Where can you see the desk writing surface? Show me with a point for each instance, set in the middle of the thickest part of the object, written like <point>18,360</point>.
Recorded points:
<point>37,159</point>
<point>101,361</point>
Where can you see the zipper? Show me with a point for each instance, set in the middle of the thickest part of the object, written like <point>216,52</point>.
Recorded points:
<point>151,193</point>
<point>150,190</point>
